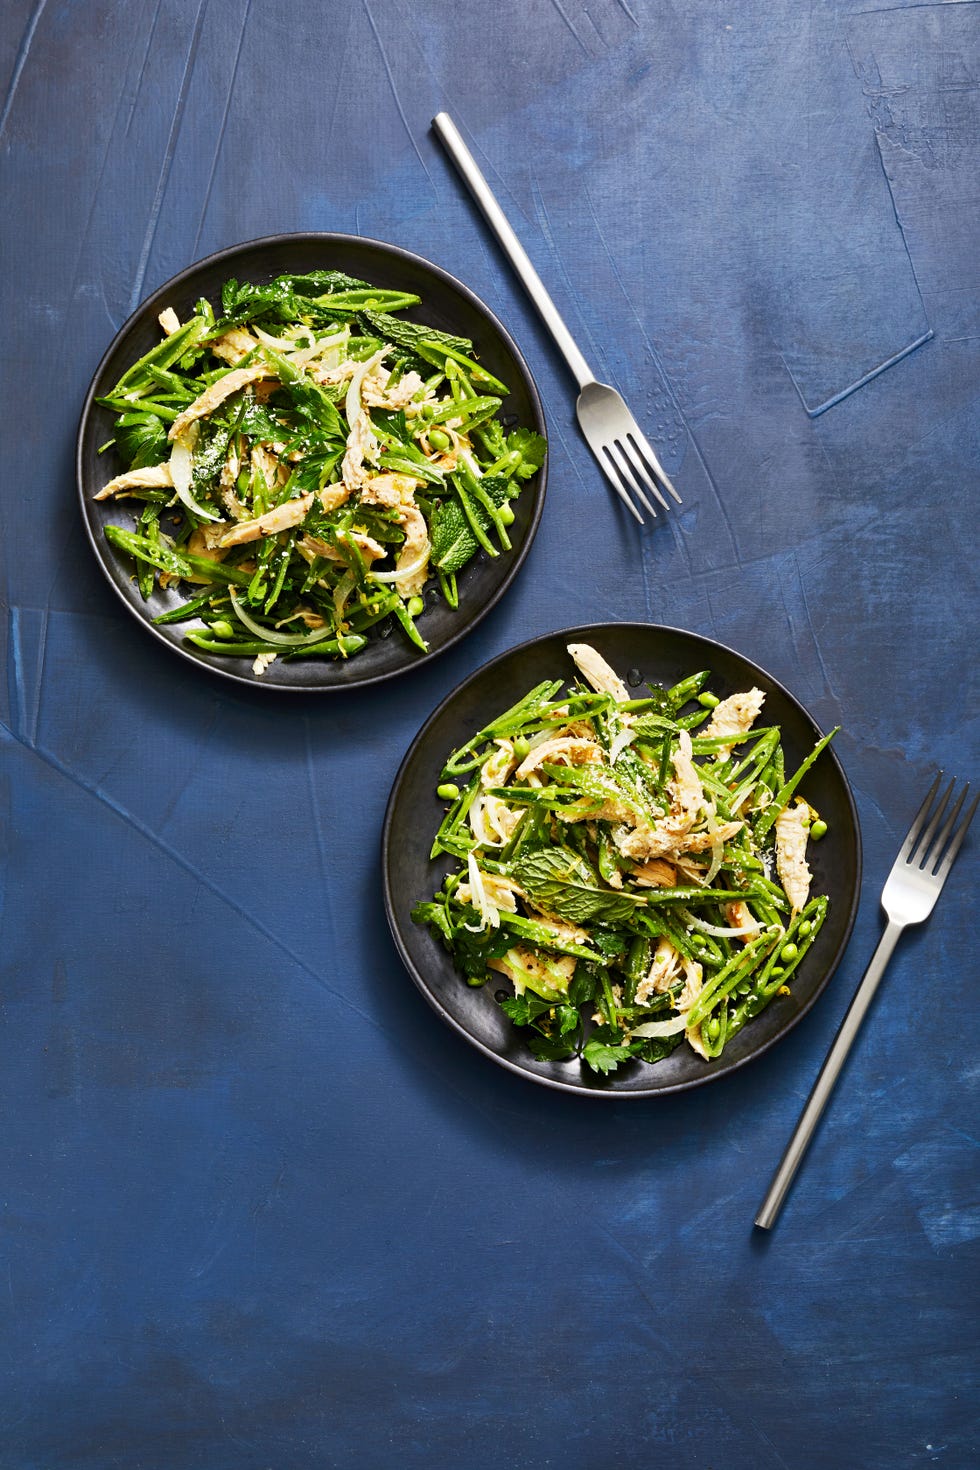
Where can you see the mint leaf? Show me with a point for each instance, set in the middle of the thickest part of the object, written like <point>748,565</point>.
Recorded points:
<point>564,885</point>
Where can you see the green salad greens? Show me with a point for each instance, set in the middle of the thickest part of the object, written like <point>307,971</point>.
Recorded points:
<point>636,869</point>
<point>307,463</point>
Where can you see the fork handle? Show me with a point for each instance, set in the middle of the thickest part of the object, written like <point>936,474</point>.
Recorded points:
<point>461,156</point>
<point>824,1085</point>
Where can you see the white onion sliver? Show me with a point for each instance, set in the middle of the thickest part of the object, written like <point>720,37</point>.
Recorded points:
<point>620,742</point>
<point>661,1028</point>
<point>409,571</point>
<point>269,635</point>
<point>181,472</point>
<point>352,403</point>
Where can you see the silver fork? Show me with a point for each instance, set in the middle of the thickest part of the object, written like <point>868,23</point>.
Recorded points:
<point>615,438</point>
<point>909,897</point>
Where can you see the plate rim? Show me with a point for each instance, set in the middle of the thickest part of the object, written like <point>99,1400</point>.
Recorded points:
<point>577,1088</point>
<point>515,559</point>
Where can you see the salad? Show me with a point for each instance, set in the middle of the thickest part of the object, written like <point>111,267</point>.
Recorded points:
<point>635,869</point>
<point>307,463</point>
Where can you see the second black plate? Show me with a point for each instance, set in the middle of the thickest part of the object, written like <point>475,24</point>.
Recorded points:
<point>639,652</point>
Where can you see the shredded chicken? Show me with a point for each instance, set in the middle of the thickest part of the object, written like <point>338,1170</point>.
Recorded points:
<point>370,549</point>
<point>282,518</point>
<point>735,715</point>
<point>414,552</point>
<point>594,669</point>
<point>502,892</point>
<point>555,972</point>
<point>234,345</point>
<point>792,830</point>
<point>659,977</point>
<point>740,918</point>
<point>655,873</point>
<point>209,400</point>
<point>563,750</point>
<point>151,477</point>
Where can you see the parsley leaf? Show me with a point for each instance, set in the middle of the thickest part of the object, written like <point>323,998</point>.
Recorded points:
<point>531,448</point>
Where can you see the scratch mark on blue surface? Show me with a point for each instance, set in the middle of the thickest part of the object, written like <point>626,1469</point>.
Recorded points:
<point>186,866</point>
<point>201,744</point>
<point>39,677</point>
<point>168,158</point>
<point>809,621</point>
<point>668,389</point>
<point>224,124</point>
<point>15,677</point>
<point>734,1406</point>
<point>626,11</point>
<point>82,240</point>
<point>867,377</point>
<point>321,846</point>
<point>22,53</point>
<point>338,91</point>
<point>923,5</point>
<point>394,93</point>
<point>151,35</point>
<point>561,11</point>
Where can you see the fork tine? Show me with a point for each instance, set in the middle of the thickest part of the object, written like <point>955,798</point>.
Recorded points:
<point>608,469</point>
<point>632,457</point>
<point>922,846</point>
<point>920,816</point>
<point>957,841</point>
<point>618,456</point>
<point>644,446</point>
<point>931,857</point>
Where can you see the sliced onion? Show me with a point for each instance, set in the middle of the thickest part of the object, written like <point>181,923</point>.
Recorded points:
<point>625,737</point>
<point>352,403</point>
<point>481,899</point>
<point>181,473</point>
<point>270,635</point>
<point>661,1028</point>
<point>408,571</point>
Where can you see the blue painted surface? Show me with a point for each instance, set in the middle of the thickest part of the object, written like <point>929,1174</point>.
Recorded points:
<point>259,1208</point>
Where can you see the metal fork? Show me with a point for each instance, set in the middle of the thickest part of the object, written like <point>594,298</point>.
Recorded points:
<point>615,438</point>
<point>909,896</point>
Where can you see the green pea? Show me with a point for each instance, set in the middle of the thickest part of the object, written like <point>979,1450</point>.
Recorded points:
<point>448,791</point>
<point>712,1028</point>
<point>522,747</point>
<point>506,514</point>
<point>440,440</point>
<point>789,952</point>
<point>708,700</point>
<point>476,981</point>
<point>805,928</point>
<point>776,970</point>
<point>222,629</point>
<point>415,607</point>
<point>819,829</point>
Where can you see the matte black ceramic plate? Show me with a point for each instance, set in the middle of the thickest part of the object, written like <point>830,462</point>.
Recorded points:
<point>446,304</point>
<point>640,652</point>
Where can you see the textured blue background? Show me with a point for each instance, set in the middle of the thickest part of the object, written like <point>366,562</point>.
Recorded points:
<point>260,1211</point>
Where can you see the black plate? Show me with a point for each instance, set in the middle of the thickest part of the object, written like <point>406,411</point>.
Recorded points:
<point>639,652</point>
<point>446,304</point>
